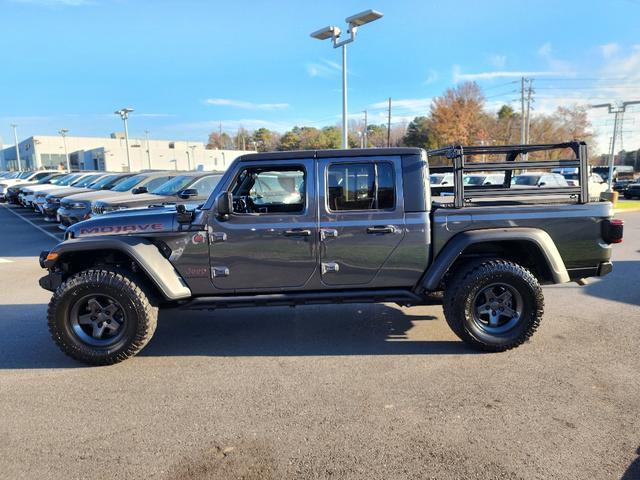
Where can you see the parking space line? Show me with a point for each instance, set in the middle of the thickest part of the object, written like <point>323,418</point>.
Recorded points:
<point>4,260</point>
<point>56,238</point>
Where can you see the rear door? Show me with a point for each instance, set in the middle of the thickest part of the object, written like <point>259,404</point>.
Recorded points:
<point>361,218</point>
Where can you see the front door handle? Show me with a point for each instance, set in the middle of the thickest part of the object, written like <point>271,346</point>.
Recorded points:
<point>297,232</point>
<point>381,229</point>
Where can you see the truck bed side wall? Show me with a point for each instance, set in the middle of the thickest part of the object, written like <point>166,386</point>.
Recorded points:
<point>575,229</point>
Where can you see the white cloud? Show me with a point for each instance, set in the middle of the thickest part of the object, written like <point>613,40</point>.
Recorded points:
<point>498,61</point>
<point>545,50</point>
<point>324,68</point>
<point>608,50</point>
<point>432,76</point>
<point>458,76</point>
<point>226,102</point>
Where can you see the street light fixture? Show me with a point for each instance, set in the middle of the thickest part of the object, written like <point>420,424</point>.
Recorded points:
<point>63,133</point>
<point>332,32</point>
<point>124,115</point>
<point>618,110</point>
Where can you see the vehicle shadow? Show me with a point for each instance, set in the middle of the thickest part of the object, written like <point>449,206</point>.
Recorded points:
<point>367,329</point>
<point>633,472</point>
<point>363,329</point>
<point>616,286</point>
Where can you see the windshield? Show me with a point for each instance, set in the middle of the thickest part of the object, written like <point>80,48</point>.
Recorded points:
<point>174,185</point>
<point>473,180</point>
<point>68,179</point>
<point>525,180</point>
<point>84,181</point>
<point>24,175</point>
<point>571,176</point>
<point>436,179</point>
<point>48,179</point>
<point>103,182</point>
<point>59,180</point>
<point>129,183</point>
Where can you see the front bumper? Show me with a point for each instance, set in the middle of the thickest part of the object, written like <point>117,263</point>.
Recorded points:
<point>50,210</point>
<point>51,281</point>
<point>69,216</point>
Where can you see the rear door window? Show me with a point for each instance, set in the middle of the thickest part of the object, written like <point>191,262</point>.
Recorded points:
<point>360,186</point>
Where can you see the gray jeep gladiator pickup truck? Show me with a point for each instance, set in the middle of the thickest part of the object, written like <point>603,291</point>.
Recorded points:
<point>336,226</point>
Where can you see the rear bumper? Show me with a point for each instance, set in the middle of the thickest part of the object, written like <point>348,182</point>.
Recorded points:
<point>600,270</point>
<point>605,268</point>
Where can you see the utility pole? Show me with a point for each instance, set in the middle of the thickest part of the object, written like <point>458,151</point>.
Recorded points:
<point>389,124</point>
<point>146,136</point>
<point>365,135</point>
<point>618,110</point>
<point>15,136</point>
<point>526,138</point>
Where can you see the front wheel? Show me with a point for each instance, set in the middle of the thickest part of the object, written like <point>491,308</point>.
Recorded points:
<point>493,305</point>
<point>101,316</point>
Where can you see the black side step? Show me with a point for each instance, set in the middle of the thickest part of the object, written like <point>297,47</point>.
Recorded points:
<point>403,297</point>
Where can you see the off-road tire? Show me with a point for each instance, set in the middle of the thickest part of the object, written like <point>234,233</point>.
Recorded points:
<point>469,280</point>
<point>135,299</point>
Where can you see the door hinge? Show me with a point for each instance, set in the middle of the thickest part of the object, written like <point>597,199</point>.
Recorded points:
<point>220,271</point>
<point>330,267</point>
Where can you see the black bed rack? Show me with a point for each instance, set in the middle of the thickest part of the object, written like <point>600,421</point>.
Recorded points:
<point>458,155</point>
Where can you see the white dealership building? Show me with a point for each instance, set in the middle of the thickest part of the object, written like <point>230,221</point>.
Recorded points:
<point>110,154</point>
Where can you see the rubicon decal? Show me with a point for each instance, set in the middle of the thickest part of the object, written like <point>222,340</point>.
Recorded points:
<point>106,229</point>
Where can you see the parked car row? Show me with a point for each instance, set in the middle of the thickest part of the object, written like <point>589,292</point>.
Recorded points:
<point>69,198</point>
<point>524,180</point>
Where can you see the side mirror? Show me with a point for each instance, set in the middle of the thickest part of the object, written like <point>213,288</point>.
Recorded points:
<point>138,190</point>
<point>542,184</point>
<point>224,205</point>
<point>188,193</point>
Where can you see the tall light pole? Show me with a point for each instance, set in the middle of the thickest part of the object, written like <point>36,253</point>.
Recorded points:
<point>15,136</point>
<point>146,136</point>
<point>63,133</point>
<point>124,115</point>
<point>333,33</point>
<point>617,109</point>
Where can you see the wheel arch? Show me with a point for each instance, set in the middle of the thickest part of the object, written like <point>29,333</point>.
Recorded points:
<point>530,247</point>
<point>157,270</point>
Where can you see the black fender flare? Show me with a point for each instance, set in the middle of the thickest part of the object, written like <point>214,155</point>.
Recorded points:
<point>157,267</point>
<point>461,241</point>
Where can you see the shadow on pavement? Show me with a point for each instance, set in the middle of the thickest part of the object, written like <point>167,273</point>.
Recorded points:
<point>25,341</point>
<point>620,285</point>
<point>328,330</point>
<point>366,329</point>
<point>633,472</point>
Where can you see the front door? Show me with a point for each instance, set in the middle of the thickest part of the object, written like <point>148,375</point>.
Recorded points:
<point>270,240</point>
<point>361,218</point>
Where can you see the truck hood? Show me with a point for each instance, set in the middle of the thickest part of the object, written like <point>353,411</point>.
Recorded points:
<point>130,222</point>
<point>140,200</point>
<point>106,195</point>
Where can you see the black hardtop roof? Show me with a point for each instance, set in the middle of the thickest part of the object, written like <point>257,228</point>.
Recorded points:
<point>354,152</point>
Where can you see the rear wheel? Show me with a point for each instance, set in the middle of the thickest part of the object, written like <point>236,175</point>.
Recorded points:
<point>102,316</point>
<point>494,305</point>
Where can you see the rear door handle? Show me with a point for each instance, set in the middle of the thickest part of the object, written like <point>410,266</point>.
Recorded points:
<point>381,229</point>
<point>297,232</point>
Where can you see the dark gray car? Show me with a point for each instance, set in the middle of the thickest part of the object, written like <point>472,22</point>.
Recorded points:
<point>333,226</point>
<point>184,188</point>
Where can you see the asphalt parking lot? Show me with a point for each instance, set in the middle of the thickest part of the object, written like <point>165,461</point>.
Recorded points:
<point>357,391</point>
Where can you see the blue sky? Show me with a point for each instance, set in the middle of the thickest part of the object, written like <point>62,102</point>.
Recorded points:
<point>187,65</point>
